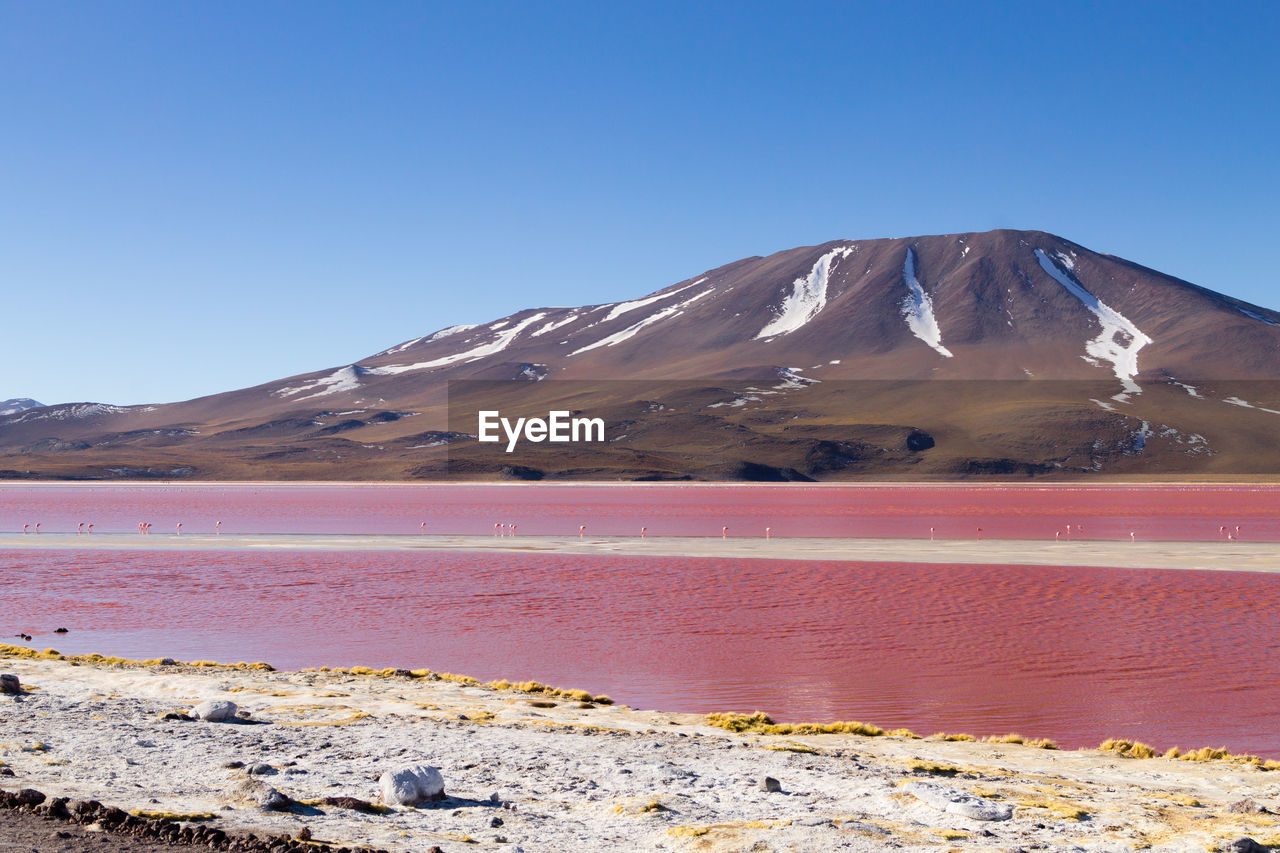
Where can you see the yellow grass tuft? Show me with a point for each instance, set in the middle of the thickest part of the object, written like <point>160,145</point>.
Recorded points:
<point>1058,808</point>
<point>1128,748</point>
<point>906,733</point>
<point>762,723</point>
<point>1014,737</point>
<point>793,746</point>
<point>952,737</point>
<point>689,831</point>
<point>163,815</point>
<point>933,769</point>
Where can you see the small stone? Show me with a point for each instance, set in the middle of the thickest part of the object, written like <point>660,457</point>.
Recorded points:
<point>770,785</point>
<point>353,803</point>
<point>214,711</point>
<point>59,630</point>
<point>304,834</point>
<point>234,765</point>
<point>496,822</point>
<point>177,716</point>
<point>260,794</point>
<point>29,797</point>
<point>261,770</point>
<point>1246,806</point>
<point>1247,845</point>
<point>499,839</point>
<point>410,786</point>
<point>9,684</point>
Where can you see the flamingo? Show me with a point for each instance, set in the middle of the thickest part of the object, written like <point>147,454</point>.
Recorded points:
<point>90,529</point>
<point>423,527</point>
<point>724,532</point>
<point>1057,536</point>
<point>642,531</point>
<point>497,529</point>
<point>513,530</point>
<point>768,533</point>
<point>179,529</point>
<point>930,534</point>
<point>979,534</point>
<point>26,528</point>
<point>1131,536</point>
<point>80,528</point>
<point>582,529</point>
<point>37,527</point>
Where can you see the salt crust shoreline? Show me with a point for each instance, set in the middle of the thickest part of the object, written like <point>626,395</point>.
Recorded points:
<point>569,778</point>
<point>1239,556</point>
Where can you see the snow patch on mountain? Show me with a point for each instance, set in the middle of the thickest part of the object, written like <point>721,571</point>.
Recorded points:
<point>917,308</point>
<point>1236,401</point>
<point>76,411</point>
<point>623,307</point>
<point>808,296</point>
<point>499,342</point>
<point>1118,342</point>
<point>17,404</point>
<point>343,379</point>
<point>1256,316</point>
<point>634,328</point>
<point>553,325</point>
<point>1190,389</point>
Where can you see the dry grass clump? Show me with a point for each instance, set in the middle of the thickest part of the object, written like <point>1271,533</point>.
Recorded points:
<point>933,769</point>
<point>762,723</point>
<point>8,651</point>
<point>1058,808</point>
<point>952,737</point>
<point>537,687</point>
<point>1206,753</point>
<point>1014,737</point>
<point>1128,748</point>
<point>906,733</point>
<point>148,814</point>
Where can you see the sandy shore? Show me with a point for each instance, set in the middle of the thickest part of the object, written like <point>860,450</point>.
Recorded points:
<point>536,773</point>
<point>1213,556</point>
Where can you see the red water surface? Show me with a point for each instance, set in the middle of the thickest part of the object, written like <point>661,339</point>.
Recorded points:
<point>1024,512</point>
<point>1077,654</point>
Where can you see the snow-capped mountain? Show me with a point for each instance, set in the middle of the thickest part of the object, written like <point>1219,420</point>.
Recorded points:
<point>17,404</point>
<point>818,361</point>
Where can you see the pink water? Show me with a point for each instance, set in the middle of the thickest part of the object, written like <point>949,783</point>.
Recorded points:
<point>1076,654</point>
<point>1032,512</point>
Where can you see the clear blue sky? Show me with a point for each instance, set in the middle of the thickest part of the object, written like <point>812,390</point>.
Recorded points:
<point>196,197</point>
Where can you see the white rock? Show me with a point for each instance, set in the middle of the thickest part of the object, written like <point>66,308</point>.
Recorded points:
<point>958,802</point>
<point>410,786</point>
<point>214,711</point>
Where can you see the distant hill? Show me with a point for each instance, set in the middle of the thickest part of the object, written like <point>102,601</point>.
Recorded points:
<point>18,404</point>
<point>986,355</point>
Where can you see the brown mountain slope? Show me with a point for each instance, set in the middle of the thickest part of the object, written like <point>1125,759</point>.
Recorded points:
<point>1015,353</point>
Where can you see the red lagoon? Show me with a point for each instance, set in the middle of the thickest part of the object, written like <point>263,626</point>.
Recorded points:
<point>1170,657</point>
<point>1010,512</point>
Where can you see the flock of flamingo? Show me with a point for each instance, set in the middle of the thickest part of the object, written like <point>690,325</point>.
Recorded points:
<point>502,530</point>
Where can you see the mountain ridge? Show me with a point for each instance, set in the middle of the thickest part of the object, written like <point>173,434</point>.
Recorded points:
<point>997,305</point>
